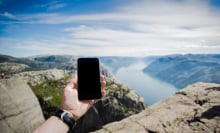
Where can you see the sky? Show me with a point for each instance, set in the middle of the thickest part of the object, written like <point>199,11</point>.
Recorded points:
<point>109,27</point>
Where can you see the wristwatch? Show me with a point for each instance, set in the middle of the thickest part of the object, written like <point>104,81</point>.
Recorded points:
<point>65,117</point>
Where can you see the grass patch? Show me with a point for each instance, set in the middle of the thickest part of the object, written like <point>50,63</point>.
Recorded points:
<point>49,94</point>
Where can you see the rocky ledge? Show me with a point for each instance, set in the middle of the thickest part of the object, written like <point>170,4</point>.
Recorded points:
<point>195,108</point>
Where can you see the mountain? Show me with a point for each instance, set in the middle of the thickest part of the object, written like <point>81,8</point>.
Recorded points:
<point>6,58</point>
<point>182,70</point>
<point>193,109</point>
<point>66,62</point>
<point>11,65</point>
<point>108,64</point>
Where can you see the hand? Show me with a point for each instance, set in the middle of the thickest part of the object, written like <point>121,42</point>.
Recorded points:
<point>70,102</point>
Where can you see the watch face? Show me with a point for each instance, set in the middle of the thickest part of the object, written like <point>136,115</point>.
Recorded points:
<point>65,117</point>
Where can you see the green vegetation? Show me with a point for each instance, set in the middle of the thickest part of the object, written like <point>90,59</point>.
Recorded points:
<point>49,94</point>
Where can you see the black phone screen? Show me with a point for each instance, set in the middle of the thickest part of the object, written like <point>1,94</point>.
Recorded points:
<point>88,73</point>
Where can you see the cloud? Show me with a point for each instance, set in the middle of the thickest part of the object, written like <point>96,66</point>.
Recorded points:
<point>8,15</point>
<point>160,12</point>
<point>54,5</point>
<point>116,42</point>
<point>143,28</point>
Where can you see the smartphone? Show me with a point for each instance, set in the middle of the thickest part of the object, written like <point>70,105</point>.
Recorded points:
<point>88,72</point>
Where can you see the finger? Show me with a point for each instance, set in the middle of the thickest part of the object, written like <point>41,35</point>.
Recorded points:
<point>73,81</point>
<point>75,78</point>
<point>103,93</point>
<point>103,84</point>
<point>70,84</point>
<point>102,77</point>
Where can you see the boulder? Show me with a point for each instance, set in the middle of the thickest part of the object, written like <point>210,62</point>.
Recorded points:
<point>20,111</point>
<point>195,108</point>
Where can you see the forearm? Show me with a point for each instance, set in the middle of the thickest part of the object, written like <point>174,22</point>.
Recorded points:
<point>52,125</point>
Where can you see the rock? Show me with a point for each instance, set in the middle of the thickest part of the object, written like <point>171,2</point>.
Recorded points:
<point>20,111</point>
<point>195,108</point>
<point>104,70</point>
<point>131,99</point>
<point>36,77</point>
<point>119,103</point>
<point>10,68</point>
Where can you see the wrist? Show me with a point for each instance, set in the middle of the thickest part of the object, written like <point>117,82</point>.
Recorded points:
<point>66,117</point>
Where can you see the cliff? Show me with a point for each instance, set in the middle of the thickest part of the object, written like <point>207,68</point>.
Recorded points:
<point>183,70</point>
<point>119,103</point>
<point>195,108</point>
<point>20,111</point>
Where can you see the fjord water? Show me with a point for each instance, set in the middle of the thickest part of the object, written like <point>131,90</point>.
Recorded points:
<point>150,88</point>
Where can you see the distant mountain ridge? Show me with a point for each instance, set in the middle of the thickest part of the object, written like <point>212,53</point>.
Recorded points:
<point>68,62</point>
<point>42,62</point>
<point>7,58</point>
<point>179,70</point>
<point>182,70</point>
<point>11,65</point>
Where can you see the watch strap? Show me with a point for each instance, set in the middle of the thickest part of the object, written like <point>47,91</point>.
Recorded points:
<point>65,117</point>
